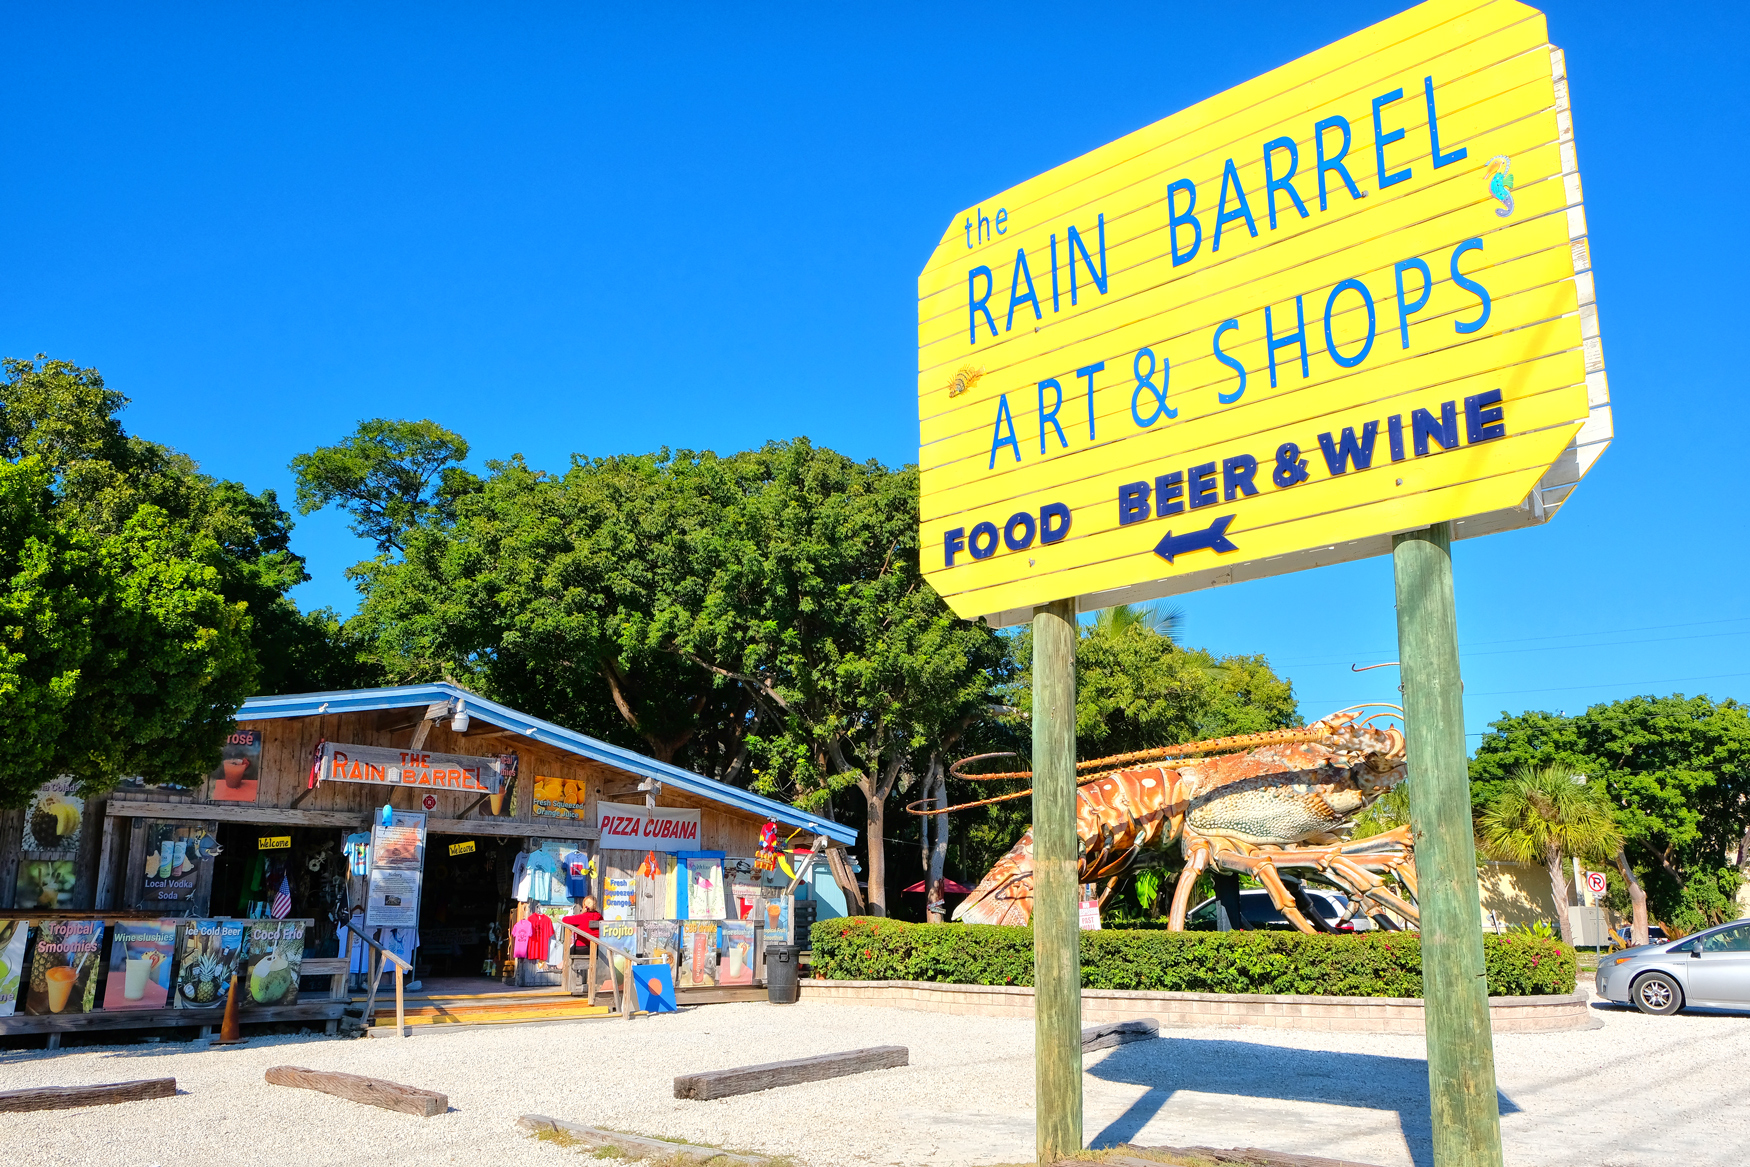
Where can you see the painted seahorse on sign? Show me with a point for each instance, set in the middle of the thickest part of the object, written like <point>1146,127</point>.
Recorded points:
<point>1500,174</point>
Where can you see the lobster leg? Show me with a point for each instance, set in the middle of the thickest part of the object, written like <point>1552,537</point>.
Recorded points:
<point>1194,865</point>
<point>1260,867</point>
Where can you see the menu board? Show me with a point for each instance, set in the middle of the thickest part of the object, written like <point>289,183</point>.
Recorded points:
<point>63,967</point>
<point>273,954</point>
<point>698,954</point>
<point>141,955</point>
<point>392,898</point>
<point>210,952</point>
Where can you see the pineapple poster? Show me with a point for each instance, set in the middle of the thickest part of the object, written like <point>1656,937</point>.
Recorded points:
<point>13,934</point>
<point>273,954</point>
<point>141,953</point>
<point>210,952</point>
<point>63,967</point>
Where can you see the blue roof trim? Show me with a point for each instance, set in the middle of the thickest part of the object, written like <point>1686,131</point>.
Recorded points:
<point>558,737</point>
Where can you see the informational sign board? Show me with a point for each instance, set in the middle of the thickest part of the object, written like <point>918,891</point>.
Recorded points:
<point>1348,298</point>
<point>384,766</point>
<point>397,871</point>
<point>648,828</point>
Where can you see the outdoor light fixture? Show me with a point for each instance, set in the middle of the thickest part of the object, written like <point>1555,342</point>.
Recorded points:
<point>459,723</point>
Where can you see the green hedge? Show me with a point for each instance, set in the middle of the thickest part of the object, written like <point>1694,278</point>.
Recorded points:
<point>1369,964</point>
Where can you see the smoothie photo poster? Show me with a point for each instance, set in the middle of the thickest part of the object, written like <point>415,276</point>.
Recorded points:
<point>141,953</point>
<point>13,934</point>
<point>63,967</point>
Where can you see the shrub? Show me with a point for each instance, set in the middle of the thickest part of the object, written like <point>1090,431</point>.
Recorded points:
<point>1369,964</point>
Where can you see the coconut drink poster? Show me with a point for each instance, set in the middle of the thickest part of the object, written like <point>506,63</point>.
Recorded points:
<point>210,952</point>
<point>63,967</point>
<point>13,934</point>
<point>141,953</point>
<point>273,954</point>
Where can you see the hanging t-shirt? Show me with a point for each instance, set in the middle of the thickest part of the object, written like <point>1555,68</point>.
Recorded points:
<point>358,852</point>
<point>540,943</point>
<point>520,933</point>
<point>536,879</point>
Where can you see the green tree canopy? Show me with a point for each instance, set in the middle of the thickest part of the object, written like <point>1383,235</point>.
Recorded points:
<point>150,594</point>
<point>1677,770</point>
<point>390,476</point>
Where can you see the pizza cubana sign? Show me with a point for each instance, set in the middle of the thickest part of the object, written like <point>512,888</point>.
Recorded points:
<point>1345,299</point>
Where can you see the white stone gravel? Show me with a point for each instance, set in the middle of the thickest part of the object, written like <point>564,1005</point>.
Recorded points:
<point>1639,1091</point>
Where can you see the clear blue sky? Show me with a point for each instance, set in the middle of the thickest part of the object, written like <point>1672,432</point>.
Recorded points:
<point>556,229</point>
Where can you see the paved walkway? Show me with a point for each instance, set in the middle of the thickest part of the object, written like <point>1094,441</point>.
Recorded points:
<point>1639,1092</point>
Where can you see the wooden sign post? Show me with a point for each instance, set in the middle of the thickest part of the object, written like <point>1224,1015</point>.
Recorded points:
<point>1057,974</point>
<point>1455,991</point>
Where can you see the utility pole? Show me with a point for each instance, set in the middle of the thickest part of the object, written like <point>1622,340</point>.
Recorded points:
<point>1057,977</point>
<point>1455,990</point>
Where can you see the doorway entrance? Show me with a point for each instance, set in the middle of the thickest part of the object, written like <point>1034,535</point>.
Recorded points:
<point>465,907</point>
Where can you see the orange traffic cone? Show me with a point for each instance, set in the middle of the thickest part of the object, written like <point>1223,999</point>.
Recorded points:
<point>230,1032</point>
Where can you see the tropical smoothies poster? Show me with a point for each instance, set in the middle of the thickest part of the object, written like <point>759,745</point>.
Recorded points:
<point>141,954</point>
<point>273,954</point>
<point>210,952</point>
<point>13,934</point>
<point>238,776</point>
<point>698,954</point>
<point>63,967</point>
<point>736,967</point>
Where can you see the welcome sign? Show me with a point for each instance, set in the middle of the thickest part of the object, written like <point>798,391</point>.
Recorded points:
<point>1348,298</point>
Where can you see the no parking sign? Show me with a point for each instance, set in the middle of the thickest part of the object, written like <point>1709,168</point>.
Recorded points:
<point>1595,882</point>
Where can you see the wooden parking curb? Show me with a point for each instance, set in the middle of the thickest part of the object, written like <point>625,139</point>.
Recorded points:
<point>748,1079</point>
<point>67,1097</point>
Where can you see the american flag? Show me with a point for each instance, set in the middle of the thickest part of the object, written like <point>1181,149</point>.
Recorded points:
<point>282,899</point>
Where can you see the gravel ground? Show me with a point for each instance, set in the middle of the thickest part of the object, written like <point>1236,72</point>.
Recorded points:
<point>1641,1090</point>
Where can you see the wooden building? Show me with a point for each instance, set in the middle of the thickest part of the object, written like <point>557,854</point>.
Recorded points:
<point>263,809</point>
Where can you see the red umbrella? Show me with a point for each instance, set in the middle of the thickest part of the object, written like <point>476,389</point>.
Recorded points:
<point>949,887</point>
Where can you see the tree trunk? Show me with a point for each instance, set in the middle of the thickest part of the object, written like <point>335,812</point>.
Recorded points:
<point>1558,885</point>
<point>936,898</point>
<point>874,837</point>
<point>1637,896</point>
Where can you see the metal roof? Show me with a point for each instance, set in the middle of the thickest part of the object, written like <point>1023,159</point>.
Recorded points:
<point>545,732</point>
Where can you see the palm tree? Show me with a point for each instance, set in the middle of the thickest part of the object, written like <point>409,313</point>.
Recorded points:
<point>1153,618</point>
<point>1540,814</point>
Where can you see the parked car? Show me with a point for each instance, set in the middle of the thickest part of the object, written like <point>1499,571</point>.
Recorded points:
<point>1259,912</point>
<point>1710,969</point>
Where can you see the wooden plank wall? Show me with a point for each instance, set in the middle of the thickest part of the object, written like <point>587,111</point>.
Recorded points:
<point>289,743</point>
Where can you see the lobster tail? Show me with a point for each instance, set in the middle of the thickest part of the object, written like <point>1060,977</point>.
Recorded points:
<point>1005,896</point>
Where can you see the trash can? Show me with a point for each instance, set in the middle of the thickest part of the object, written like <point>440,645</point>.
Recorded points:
<point>781,972</point>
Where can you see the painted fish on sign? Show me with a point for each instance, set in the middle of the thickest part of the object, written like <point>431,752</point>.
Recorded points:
<point>1345,299</point>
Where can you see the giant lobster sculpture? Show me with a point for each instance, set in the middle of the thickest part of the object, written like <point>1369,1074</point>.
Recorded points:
<point>1258,804</point>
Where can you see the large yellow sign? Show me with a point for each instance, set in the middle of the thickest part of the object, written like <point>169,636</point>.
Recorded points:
<point>1348,298</point>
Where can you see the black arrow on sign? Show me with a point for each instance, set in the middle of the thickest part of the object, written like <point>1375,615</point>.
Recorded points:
<point>1214,537</point>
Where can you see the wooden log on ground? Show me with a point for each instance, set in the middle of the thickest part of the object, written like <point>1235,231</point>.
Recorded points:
<point>749,1079</point>
<point>1118,1033</point>
<point>1238,1157</point>
<point>67,1097</point>
<point>357,1088</point>
<point>633,1146</point>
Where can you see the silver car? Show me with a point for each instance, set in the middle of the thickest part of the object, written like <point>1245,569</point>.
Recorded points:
<point>1710,969</point>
